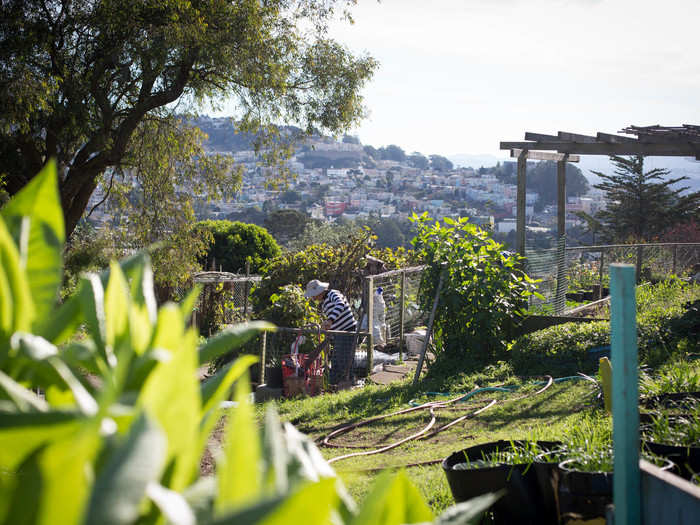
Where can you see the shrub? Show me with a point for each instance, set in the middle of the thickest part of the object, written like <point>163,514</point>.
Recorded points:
<point>484,291</point>
<point>665,325</point>
<point>237,242</point>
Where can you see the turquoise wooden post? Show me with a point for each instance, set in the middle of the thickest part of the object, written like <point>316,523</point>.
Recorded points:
<point>623,339</point>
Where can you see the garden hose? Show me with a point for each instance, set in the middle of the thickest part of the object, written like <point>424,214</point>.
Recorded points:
<point>431,406</point>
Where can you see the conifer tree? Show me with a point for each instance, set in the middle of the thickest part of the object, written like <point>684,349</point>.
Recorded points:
<point>640,206</point>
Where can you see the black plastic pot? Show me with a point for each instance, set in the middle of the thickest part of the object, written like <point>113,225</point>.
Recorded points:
<point>673,400</point>
<point>686,459</point>
<point>523,502</point>
<point>583,495</point>
<point>273,376</point>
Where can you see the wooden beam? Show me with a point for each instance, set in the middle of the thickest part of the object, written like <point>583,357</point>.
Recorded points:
<point>615,139</point>
<point>520,203</point>
<point>540,136</point>
<point>545,155</point>
<point>575,137</point>
<point>637,148</point>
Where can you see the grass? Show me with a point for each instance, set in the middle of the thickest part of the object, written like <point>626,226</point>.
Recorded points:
<point>546,416</point>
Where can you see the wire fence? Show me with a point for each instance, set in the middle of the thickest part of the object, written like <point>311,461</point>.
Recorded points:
<point>585,268</point>
<point>225,299</point>
<point>401,310</point>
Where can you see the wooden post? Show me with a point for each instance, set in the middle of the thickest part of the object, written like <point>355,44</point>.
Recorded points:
<point>402,313</point>
<point>246,290</point>
<point>263,351</point>
<point>561,197</point>
<point>520,202</point>
<point>560,293</point>
<point>623,339</point>
<point>675,259</point>
<point>638,266</point>
<point>370,323</point>
<point>601,271</point>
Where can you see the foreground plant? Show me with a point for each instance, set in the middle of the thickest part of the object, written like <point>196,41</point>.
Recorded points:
<point>118,432</point>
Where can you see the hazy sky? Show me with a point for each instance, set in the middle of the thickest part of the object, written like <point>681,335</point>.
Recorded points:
<point>460,76</point>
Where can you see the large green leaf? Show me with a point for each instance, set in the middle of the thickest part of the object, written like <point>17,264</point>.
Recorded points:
<point>120,488</point>
<point>35,220</point>
<point>171,393</point>
<point>230,339</point>
<point>68,477</point>
<point>116,306</point>
<point>24,399</point>
<point>61,325</point>
<point>22,433</point>
<point>393,501</point>
<point>92,300</point>
<point>18,310</point>
<point>216,388</point>
<point>311,504</point>
<point>468,512</point>
<point>239,470</point>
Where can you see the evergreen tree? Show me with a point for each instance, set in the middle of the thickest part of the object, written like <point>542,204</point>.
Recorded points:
<point>642,205</point>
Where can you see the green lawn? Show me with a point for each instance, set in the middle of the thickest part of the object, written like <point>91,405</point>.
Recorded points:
<point>548,415</point>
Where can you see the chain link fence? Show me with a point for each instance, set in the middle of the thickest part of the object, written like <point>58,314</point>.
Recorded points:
<point>399,294</point>
<point>585,268</point>
<point>225,299</point>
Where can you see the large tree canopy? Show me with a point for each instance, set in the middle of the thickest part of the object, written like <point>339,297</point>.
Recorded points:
<point>79,76</point>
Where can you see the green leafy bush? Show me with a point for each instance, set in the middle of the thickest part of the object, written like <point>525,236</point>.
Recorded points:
<point>484,291</point>
<point>237,242</point>
<point>661,328</point>
<point>118,435</point>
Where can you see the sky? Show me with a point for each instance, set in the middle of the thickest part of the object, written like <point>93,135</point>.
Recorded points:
<point>460,76</point>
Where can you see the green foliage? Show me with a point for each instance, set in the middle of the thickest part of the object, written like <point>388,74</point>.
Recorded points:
<point>286,224</point>
<point>541,178</point>
<point>87,250</point>
<point>338,265</point>
<point>123,445</point>
<point>563,349</point>
<point>235,243</point>
<point>642,205</point>
<point>80,81</point>
<point>484,291</point>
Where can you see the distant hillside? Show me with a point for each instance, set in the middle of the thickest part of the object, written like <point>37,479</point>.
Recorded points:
<point>223,135</point>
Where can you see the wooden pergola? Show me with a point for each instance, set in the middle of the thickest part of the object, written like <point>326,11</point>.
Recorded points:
<point>679,141</point>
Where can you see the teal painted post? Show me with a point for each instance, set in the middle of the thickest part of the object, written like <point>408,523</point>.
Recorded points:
<point>625,390</point>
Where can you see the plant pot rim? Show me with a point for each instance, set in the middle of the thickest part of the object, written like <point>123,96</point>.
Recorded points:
<point>563,465</point>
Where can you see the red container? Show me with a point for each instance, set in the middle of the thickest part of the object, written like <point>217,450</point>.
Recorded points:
<point>293,372</point>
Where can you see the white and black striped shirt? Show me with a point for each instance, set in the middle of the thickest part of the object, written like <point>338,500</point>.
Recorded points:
<point>335,306</point>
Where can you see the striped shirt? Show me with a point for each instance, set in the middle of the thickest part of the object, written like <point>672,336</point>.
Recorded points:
<point>335,306</point>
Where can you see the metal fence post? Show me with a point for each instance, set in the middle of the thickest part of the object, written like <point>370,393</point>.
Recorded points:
<point>402,313</point>
<point>638,267</point>
<point>675,259</point>
<point>263,351</point>
<point>370,323</point>
<point>601,271</point>
<point>246,290</point>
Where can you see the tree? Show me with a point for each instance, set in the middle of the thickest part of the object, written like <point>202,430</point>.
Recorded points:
<point>418,160</point>
<point>641,205</point>
<point>234,243</point>
<point>290,196</point>
<point>371,151</point>
<point>393,152</point>
<point>542,178</point>
<point>440,163</point>
<point>80,76</point>
<point>593,225</point>
<point>285,225</point>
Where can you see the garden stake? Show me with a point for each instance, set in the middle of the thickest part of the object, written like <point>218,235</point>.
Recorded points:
<point>429,330</point>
